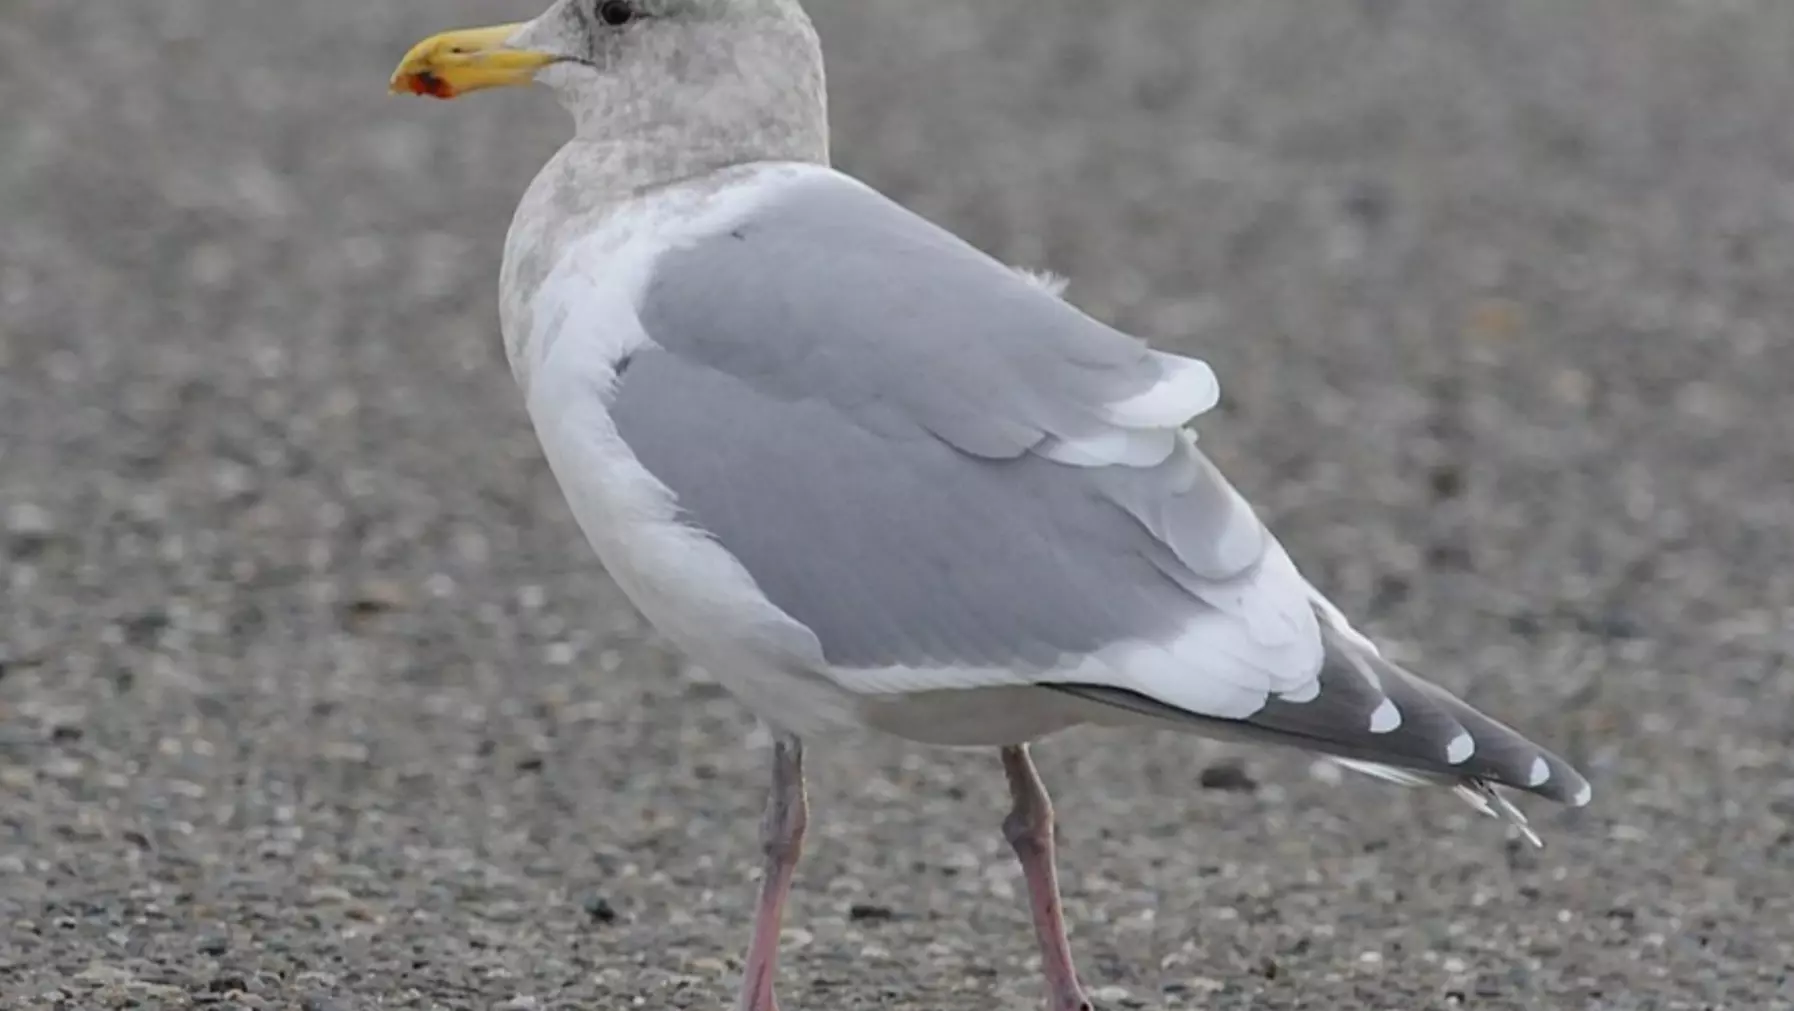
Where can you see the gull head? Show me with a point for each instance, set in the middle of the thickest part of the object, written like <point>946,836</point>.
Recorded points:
<point>586,48</point>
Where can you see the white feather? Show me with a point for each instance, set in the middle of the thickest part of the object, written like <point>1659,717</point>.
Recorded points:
<point>1540,774</point>
<point>1223,663</point>
<point>1336,620</point>
<point>1460,749</point>
<point>581,321</point>
<point>1122,446</point>
<point>1046,280</point>
<point>1305,693</point>
<point>1188,389</point>
<point>1386,773</point>
<point>1386,718</point>
<point>1477,794</point>
<point>1489,801</point>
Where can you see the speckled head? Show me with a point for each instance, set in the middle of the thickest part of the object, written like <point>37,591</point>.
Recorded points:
<point>633,66</point>
<point>661,91</point>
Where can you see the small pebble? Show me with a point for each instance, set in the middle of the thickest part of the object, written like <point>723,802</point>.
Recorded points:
<point>103,975</point>
<point>599,909</point>
<point>228,983</point>
<point>27,521</point>
<point>1229,776</point>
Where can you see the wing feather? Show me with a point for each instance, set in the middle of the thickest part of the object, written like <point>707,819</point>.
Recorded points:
<point>950,475</point>
<point>937,475</point>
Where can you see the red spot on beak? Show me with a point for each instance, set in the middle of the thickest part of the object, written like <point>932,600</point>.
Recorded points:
<point>425,83</point>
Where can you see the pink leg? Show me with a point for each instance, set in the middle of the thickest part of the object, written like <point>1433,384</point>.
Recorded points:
<point>782,838</point>
<point>1029,829</point>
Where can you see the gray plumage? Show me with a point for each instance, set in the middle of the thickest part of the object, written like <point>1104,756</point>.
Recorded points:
<point>922,460</point>
<point>870,390</point>
<point>873,478</point>
<point>848,399</point>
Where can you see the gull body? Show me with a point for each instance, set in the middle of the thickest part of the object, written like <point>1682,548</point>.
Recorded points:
<point>874,479</point>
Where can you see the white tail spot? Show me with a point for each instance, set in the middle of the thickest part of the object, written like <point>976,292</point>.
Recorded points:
<point>1583,796</point>
<point>1460,749</point>
<point>1386,718</point>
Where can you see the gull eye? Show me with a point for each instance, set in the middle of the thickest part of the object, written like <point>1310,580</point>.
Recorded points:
<point>616,13</point>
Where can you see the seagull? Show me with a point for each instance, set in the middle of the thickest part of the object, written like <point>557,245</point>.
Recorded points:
<point>874,479</point>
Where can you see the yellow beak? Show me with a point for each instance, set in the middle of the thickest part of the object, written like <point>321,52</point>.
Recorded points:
<point>455,63</point>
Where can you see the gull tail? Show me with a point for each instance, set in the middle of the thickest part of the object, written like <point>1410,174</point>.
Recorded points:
<point>1475,792</point>
<point>1375,717</point>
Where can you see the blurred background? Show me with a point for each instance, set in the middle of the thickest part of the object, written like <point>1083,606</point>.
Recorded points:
<point>312,697</point>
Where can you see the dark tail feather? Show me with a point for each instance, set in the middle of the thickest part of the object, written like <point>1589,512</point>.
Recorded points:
<point>1378,718</point>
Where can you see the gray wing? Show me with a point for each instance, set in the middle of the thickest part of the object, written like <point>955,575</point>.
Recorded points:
<point>833,292</point>
<point>954,479</point>
<point>909,446</point>
<point>896,547</point>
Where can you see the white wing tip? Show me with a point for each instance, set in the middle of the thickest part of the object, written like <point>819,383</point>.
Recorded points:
<point>1386,718</point>
<point>1540,773</point>
<point>1187,389</point>
<point>1583,796</point>
<point>1460,749</point>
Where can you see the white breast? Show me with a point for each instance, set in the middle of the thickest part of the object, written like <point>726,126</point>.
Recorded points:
<point>577,325</point>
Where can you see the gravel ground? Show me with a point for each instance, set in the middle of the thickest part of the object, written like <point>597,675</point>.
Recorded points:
<point>311,697</point>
